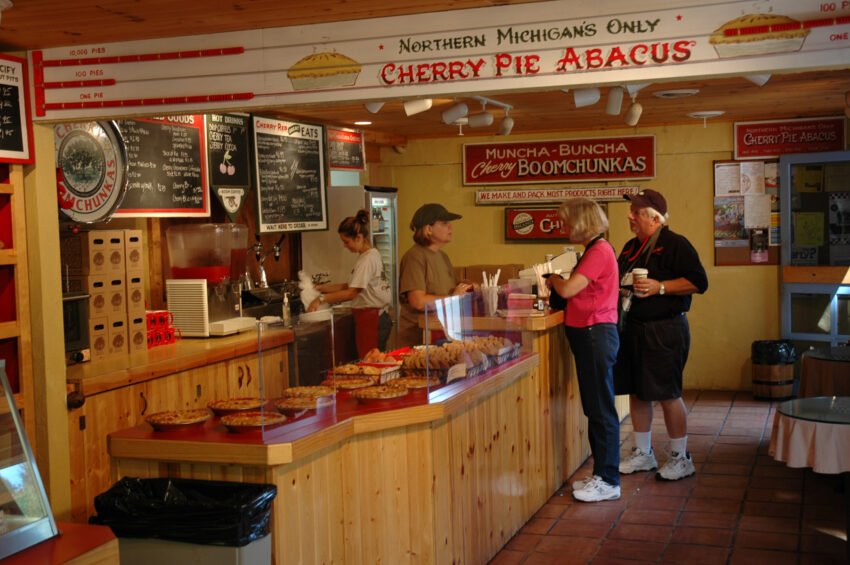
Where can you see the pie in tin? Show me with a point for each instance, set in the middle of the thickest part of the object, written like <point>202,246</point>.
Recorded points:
<point>308,391</point>
<point>416,382</point>
<point>241,421</point>
<point>379,392</point>
<point>296,403</point>
<point>349,383</point>
<point>230,405</point>
<point>171,419</point>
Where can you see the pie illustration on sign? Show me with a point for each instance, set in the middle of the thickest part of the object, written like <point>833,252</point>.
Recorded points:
<point>323,70</point>
<point>758,34</point>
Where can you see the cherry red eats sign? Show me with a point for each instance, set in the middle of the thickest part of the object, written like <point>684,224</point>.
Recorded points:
<point>769,140</point>
<point>560,160</point>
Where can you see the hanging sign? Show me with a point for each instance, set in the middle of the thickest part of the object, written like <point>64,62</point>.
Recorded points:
<point>770,139</point>
<point>543,195</point>
<point>229,159</point>
<point>560,160</point>
<point>533,224</point>
<point>291,194</point>
<point>15,125</point>
<point>345,149</point>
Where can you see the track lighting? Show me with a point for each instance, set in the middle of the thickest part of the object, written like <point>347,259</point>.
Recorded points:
<point>586,97</point>
<point>412,107</point>
<point>615,101</point>
<point>482,119</point>
<point>373,107</point>
<point>758,80</point>
<point>634,111</point>
<point>507,124</point>
<point>455,113</point>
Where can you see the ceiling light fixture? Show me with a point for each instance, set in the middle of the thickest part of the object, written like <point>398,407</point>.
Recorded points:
<point>758,80</point>
<point>615,101</point>
<point>704,115</point>
<point>454,113</point>
<point>482,119</point>
<point>632,89</point>
<point>412,107</point>
<point>506,125</point>
<point>373,107</point>
<point>679,93</point>
<point>363,123</point>
<point>586,97</point>
<point>634,112</point>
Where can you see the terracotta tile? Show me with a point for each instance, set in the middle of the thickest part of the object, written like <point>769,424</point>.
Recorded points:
<point>727,520</point>
<point>550,510</point>
<point>657,502</point>
<point>777,472</point>
<point>772,509</point>
<point>562,499</point>
<point>774,495</point>
<point>641,532</point>
<point>538,526</point>
<point>743,440</point>
<point>581,528</point>
<point>591,511</point>
<point>769,524</point>
<point>822,543</point>
<point>568,545</point>
<point>656,517</point>
<point>508,557</point>
<point>726,469</point>
<point>820,559</point>
<point>523,542</point>
<point>766,540</point>
<point>777,483</point>
<point>832,512</point>
<point>703,536</point>
<point>556,559</point>
<point>726,493</point>
<point>619,561</point>
<point>746,556</point>
<point>712,505</point>
<point>668,488</point>
<point>626,549</point>
<point>728,481</point>
<point>695,554</point>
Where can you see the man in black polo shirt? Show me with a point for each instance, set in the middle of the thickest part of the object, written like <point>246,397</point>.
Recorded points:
<point>655,342</point>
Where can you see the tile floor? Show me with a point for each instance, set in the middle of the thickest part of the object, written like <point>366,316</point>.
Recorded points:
<point>741,507</point>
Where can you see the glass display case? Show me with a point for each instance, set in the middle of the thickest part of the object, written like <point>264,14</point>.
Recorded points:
<point>815,248</point>
<point>25,516</point>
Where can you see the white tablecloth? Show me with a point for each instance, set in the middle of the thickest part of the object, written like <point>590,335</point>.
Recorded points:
<point>804,443</point>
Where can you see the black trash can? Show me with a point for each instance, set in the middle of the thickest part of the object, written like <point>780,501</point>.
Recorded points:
<point>190,511</point>
<point>773,369</point>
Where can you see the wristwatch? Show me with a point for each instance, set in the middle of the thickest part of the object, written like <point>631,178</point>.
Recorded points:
<point>661,289</point>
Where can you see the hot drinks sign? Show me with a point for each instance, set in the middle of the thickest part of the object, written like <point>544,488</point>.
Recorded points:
<point>560,160</point>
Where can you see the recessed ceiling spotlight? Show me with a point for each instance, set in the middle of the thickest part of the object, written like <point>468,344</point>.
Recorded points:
<point>362,123</point>
<point>679,93</point>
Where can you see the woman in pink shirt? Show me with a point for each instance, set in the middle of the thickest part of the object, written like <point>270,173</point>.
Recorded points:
<point>590,322</point>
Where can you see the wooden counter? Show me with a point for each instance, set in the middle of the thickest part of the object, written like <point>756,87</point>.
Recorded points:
<point>120,392</point>
<point>76,544</point>
<point>448,479</point>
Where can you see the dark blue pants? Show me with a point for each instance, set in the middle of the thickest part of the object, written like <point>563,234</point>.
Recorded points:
<point>595,351</point>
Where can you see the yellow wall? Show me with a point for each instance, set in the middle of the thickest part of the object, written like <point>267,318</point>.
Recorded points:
<point>741,304</point>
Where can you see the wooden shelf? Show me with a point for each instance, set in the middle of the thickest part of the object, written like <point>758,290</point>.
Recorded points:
<point>9,330</point>
<point>7,188</point>
<point>8,257</point>
<point>816,275</point>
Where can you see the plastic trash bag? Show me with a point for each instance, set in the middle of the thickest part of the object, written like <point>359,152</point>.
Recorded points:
<point>187,510</point>
<point>773,352</point>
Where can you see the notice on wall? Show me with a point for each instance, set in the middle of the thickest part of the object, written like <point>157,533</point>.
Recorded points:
<point>166,164</point>
<point>770,139</point>
<point>15,126</point>
<point>345,149</point>
<point>291,194</point>
<point>229,158</point>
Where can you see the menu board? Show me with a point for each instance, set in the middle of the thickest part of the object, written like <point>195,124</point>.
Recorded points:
<point>291,194</point>
<point>229,158</point>
<point>15,125</point>
<point>166,164</point>
<point>345,149</point>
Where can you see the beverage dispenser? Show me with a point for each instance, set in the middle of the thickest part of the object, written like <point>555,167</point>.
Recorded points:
<point>204,293</point>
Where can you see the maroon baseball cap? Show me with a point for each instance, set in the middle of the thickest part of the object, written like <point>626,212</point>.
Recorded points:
<point>649,198</point>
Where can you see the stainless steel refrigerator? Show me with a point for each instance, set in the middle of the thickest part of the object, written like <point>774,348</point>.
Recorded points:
<point>322,251</point>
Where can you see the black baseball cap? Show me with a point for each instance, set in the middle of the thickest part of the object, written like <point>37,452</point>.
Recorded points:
<point>429,213</point>
<point>649,198</point>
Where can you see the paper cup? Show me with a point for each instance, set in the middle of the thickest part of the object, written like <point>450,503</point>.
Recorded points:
<point>638,274</point>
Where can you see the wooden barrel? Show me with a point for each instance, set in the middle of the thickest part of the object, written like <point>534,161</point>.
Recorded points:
<point>773,382</point>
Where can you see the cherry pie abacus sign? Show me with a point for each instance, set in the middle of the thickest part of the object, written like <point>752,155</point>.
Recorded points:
<point>533,224</point>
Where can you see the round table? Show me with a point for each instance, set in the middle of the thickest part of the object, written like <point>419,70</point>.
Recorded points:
<point>815,432</point>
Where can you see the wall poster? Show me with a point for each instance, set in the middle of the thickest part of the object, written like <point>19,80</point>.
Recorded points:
<point>16,145</point>
<point>291,192</point>
<point>229,158</point>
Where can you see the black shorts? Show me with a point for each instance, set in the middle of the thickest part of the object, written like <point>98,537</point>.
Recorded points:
<point>652,358</point>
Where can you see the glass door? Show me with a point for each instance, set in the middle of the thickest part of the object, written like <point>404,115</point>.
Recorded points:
<point>384,214</point>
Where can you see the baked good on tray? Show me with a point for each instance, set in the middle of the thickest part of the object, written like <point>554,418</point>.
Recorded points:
<point>171,419</point>
<point>379,392</point>
<point>229,405</point>
<point>416,382</point>
<point>349,383</point>
<point>242,421</point>
<point>297,403</point>
<point>309,391</point>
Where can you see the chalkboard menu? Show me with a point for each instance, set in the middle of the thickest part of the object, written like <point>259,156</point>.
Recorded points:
<point>15,126</point>
<point>228,155</point>
<point>291,193</point>
<point>345,149</point>
<point>166,164</point>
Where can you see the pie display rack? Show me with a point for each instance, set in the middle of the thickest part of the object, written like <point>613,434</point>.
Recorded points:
<point>243,422</point>
<point>234,405</point>
<point>175,420</point>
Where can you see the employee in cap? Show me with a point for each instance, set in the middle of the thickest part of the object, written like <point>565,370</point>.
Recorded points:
<point>655,341</point>
<point>426,274</point>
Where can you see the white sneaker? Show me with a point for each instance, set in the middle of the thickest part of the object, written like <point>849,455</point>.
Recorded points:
<point>579,484</point>
<point>597,489</point>
<point>677,467</point>
<point>638,461</point>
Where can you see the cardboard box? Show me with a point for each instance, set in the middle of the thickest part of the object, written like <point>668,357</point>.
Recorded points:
<point>116,296</point>
<point>137,333</point>
<point>135,294</point>
<point>134,253</point>
<point>99,337</point>
<point>96,286</point>
<point>117,338</point>
<point>85,253</point>
<point>115,252</point>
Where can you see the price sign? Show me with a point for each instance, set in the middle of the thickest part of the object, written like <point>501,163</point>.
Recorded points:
<point>15,126</point>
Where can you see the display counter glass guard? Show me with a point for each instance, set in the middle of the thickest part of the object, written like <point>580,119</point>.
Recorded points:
<point>25,516</point>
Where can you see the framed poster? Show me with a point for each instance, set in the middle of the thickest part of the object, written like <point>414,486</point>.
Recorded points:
<point>229,159</point>
<point>345,149</point>
<point>290,182</point>
<point>167,172</point>
<point>16,145</point>
<point>533,224</point>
